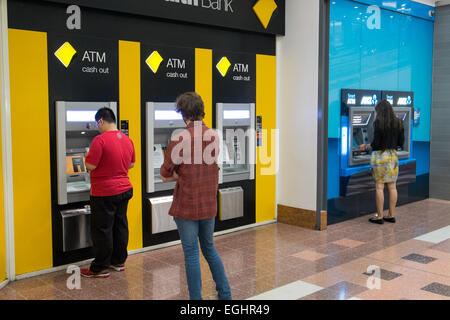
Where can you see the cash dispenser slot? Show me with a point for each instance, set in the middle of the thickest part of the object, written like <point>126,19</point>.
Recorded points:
<point>231,203</point>
<point>76,229</point>
<point>161,220</point>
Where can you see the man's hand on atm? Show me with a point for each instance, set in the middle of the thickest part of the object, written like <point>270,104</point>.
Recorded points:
<point>89,166</point>
<point>174,177</point>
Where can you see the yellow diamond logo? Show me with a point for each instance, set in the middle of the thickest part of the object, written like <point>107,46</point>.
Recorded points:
<point>154,60</point>
<point>223,66</point>
<point>65,53</point>
<point>264,10</point>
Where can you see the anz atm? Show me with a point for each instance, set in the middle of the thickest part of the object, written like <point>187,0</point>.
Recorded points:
<point>75,129</point>
<point>357,119</point>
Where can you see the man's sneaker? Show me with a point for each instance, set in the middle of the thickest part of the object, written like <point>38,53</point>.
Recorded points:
<point>117,267</point>
<point>89,274</point>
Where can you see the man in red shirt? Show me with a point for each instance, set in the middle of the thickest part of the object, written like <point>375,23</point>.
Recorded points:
<point>194,207</point>
<point>110,157</point>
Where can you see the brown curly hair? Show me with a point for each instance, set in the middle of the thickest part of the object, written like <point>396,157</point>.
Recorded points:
<point>191,106</point>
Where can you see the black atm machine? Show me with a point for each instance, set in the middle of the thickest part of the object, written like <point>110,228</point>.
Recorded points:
<point>357,117</point>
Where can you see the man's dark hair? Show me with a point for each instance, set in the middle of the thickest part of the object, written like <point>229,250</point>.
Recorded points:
<point>106,114</point>
<point>191,106</point>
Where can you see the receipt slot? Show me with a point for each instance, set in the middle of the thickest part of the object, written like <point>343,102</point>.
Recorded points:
<point>236,123</point>
<point>162,121</point>
<point>75,129</point>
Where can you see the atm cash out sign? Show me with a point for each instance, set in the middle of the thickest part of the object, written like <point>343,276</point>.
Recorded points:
<point>240,70</point>
<point>96,59</point>
<point>175,66</point>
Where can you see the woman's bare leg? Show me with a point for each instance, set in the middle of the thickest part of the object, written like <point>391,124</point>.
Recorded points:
<point>380,199</point>
<point>393,195</point>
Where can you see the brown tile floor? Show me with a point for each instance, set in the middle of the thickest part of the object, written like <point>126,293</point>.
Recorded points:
<point>265,258</point>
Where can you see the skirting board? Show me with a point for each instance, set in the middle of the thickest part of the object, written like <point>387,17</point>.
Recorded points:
<point>301,217</point>
<point>3,284</point>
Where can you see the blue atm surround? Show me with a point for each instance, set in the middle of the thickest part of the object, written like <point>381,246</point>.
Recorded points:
<point>357,178</point>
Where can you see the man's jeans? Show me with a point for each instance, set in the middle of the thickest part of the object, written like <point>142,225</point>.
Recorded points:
<point>190,232</point>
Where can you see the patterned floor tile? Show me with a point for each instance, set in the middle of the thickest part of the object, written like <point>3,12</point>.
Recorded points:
<point>309,255</point>
<point>279,261</point>
<point>384,274</point>
<point>419,258</point>
<point>347,288</point>
<point>349,243</point>
<point>438,288</point>
<point>442,246</point>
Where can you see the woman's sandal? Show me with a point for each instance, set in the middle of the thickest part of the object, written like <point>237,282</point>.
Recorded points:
<point>389,219</point>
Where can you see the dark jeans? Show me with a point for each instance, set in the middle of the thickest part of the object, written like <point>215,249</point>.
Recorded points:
<point>109,229</point>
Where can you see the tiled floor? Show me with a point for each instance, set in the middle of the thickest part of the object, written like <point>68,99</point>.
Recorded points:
<point>351,260</point>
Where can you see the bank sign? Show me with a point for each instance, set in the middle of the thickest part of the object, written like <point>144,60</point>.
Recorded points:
<point>264,16</point>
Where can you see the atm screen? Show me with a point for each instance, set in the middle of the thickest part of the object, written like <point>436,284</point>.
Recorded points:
<point>75,164</point>
<point>81,115</point>
<point>236,114</point>
<point>401,115</point>
<point>167,115</point>
<point>361,119</point>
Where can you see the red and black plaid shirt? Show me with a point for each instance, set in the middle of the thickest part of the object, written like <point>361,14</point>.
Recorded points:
<point>195,194</point>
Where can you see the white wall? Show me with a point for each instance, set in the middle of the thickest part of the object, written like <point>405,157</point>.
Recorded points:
<point>297,94</point>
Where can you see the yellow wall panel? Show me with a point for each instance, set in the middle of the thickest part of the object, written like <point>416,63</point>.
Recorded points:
<point>130,109</point>
<point>30,150</point>
<point>266,155</point>
<point>203,81</point>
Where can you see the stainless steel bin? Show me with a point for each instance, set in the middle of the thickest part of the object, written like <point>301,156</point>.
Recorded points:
<point>76,228</point>
<point>231,203</point>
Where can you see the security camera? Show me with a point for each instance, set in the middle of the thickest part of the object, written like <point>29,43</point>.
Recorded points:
<point>431,13</point>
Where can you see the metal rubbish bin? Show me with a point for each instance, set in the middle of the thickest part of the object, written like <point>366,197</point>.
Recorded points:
<point>231,203</point>
<point>76,228</point>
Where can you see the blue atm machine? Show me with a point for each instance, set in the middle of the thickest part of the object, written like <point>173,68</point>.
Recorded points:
<point>357,119</point>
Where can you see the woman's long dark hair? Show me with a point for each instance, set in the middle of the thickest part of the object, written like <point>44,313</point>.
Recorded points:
<point>386,121</point>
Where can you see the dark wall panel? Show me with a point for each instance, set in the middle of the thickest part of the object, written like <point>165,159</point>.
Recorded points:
<point>440,108</point>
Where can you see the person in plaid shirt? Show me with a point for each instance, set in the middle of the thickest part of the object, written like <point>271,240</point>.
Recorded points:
<point>191,160</point>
